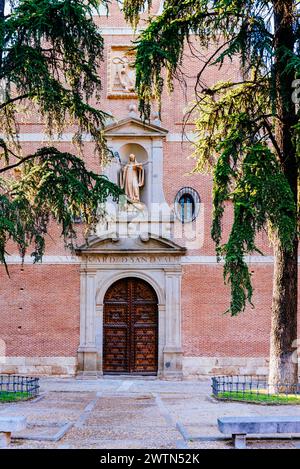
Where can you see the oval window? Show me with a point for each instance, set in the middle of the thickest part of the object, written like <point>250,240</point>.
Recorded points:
<point>187,204</point>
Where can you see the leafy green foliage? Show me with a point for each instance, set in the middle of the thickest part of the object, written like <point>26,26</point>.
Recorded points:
<point>50,53</point>
<point>239,124</point>
<point>133,8</point>
<point>232,139</point>
<point>52,185</point>
<point>238,23</point>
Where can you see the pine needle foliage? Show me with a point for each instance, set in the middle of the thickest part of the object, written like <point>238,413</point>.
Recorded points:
<point>50,54</point>
<point>238,124</point>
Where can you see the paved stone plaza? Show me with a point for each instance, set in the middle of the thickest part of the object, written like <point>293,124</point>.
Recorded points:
<point>132,413</point>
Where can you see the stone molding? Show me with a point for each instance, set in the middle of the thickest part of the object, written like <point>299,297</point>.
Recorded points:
<point>133,127</point>
<point>68,136</point>
<point>186,260</point>
<point>146,244</point>
<point>162,271</point>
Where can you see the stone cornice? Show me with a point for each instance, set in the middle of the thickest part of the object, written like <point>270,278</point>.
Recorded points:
<point>143,245</point>
<point>134,127</point>
<point>185,260</point>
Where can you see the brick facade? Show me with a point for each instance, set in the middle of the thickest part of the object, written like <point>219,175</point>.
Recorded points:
<point>40,304</point>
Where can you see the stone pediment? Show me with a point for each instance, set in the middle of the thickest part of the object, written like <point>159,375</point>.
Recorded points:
<point>134,127</point>
<point>147,244</point>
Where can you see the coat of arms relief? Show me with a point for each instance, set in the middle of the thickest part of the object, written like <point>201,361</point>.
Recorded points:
<point>121,79</point>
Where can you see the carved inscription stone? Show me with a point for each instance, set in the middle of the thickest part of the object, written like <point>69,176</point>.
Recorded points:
<point>132,259</point>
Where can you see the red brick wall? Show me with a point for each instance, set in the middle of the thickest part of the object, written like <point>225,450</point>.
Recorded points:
<point>207,331</point>
<point>39,312</point>
<point>176,154</point>
<point>48,323</point>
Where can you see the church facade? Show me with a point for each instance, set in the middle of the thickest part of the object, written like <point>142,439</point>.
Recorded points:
<point>145,295</point>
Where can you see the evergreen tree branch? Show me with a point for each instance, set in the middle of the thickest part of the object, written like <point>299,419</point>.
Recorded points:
<point>50,53</point>
<point>236,123</point>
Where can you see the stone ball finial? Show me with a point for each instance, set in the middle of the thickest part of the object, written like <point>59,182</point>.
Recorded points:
<point>132,110</point>
<point>156,119</point>
<point>144,237</point>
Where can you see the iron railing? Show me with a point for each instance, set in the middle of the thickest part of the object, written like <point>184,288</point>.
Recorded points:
<point>13,387</point>
<point>253,388</point>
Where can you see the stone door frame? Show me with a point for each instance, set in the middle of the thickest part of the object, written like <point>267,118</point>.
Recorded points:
<point>98,272</point>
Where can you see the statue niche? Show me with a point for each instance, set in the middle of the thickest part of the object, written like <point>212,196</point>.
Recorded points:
<point>132,178</point>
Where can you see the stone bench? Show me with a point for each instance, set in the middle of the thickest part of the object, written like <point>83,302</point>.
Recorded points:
<point>240,427</point>
<point>9,425</point>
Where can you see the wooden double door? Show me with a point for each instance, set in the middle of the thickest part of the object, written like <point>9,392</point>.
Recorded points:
<point>130,328</point>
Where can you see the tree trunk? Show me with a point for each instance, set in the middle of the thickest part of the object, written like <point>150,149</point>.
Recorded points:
<point>283,365</point>
<point>283,360</point>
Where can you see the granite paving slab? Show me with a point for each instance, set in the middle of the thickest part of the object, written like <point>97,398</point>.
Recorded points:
<point>133,413</point>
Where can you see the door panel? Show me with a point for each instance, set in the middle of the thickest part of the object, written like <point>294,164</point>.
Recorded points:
<point>130,330</point>
<point>144,358</point>
<point>115,345</point>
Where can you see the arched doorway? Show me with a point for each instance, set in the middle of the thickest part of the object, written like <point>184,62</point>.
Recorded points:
<point>130,328</point>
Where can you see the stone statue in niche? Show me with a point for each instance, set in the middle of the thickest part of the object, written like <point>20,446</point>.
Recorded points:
<point>132,178</point>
